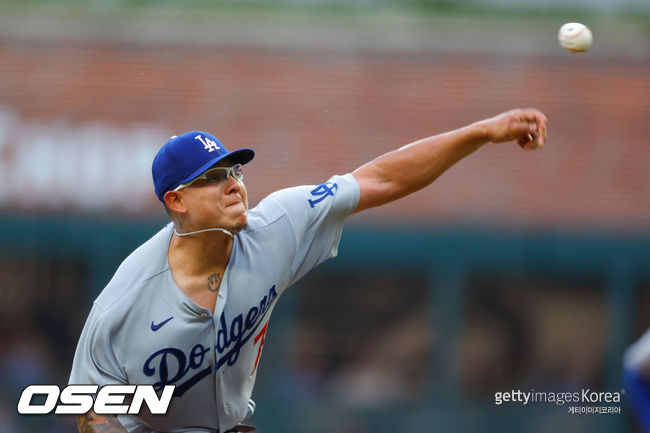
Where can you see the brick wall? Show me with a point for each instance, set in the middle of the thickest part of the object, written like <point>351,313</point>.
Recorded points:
<point>312,113</point>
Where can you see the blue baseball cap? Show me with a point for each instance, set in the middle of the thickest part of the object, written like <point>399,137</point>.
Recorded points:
<point>184,157</point>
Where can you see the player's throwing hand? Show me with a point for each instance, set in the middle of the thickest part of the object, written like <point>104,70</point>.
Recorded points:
<point>526,126</point>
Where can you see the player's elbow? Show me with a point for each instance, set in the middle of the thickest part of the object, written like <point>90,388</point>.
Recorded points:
<point>375,192</point>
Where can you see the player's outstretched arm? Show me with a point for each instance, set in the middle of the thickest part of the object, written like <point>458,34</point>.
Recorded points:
<point>93,423</point>
<point>414,166</point>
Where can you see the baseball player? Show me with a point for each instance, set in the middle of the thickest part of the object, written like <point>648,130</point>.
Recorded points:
<point>190,307</point>
<point>636,375</point>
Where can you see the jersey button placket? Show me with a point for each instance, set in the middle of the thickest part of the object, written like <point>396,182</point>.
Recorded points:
<point>219,309</point>
<point>218,376</point>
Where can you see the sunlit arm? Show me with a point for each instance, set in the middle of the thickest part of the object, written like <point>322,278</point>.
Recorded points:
<point>416,165</point>
<point>93,423</point>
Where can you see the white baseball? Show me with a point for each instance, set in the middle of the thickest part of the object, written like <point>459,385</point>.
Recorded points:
<point>575,37</point>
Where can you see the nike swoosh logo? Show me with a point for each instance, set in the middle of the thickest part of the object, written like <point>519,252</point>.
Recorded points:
<point>155,327</point>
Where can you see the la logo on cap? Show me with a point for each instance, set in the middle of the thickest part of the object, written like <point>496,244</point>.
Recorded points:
<point>208,144</point>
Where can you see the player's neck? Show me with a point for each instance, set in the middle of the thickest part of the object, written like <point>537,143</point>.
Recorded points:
<point>200,253</point>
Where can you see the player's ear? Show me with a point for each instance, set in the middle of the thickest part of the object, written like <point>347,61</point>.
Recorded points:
<point>174,201</point>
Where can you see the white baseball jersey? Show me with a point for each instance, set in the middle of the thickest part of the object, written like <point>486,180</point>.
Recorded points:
<point>143,329</point>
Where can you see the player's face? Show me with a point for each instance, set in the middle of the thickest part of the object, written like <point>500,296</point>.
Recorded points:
<point>217,201</point>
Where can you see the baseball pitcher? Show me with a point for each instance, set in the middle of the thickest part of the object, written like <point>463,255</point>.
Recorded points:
<point>191,306</point>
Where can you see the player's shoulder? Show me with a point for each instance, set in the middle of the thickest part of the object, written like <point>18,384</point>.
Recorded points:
<point>310,196</point>
<point>283,210</point>
<point>144,263</point>
<point>265,214</point>
<point>277,204</point>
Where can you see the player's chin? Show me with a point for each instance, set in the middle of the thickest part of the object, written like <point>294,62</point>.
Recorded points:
<point>240,222</point>
<point>239,228</point>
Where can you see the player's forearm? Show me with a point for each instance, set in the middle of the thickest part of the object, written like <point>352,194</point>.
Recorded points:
<point>412,167</point>
<point>416,165</point>
<point>93,423</point>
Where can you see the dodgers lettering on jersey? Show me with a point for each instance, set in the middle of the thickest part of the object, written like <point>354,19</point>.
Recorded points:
<point>240,330</point>
<point>143,329</point>
<point>171,365</point>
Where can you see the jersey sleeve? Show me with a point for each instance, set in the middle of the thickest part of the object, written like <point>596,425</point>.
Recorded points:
<point>94,360</point>
<point>317,214</point>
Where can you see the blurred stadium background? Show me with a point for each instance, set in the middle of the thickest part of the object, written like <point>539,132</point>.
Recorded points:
<point>515,270</point>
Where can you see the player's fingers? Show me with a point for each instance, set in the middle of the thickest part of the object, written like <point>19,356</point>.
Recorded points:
<point>540,120</point>
<point>530,144</point>
<point>542,130</point>
<point>523,126</point>
<point>527,127</point>
<point>538,134</point>
<point>528,141</point>
<point>537,127</point>
<point>517,123</point>
<point>529,131</point>
<point>521,141</point>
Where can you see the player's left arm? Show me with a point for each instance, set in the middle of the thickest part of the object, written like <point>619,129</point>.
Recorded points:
<point>416,165</point>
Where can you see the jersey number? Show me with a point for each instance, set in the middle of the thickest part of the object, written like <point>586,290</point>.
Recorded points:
<point>259,337</point>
